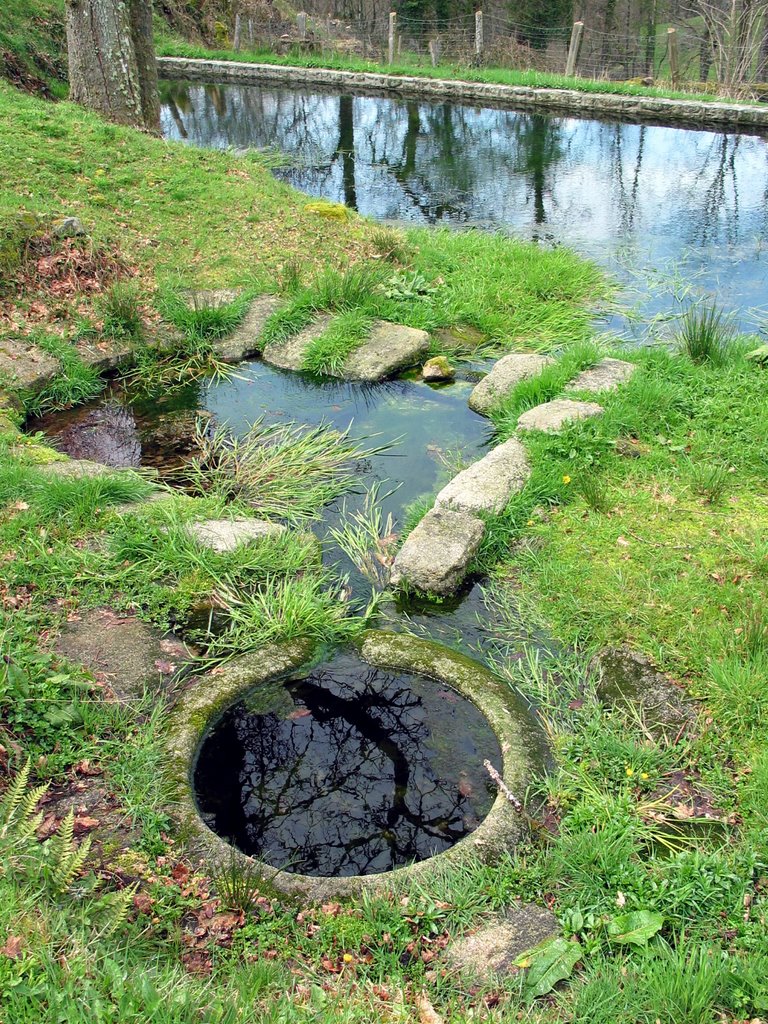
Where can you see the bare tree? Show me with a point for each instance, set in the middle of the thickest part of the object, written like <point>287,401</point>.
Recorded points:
<point>736,31</point>
<point>112,66</point>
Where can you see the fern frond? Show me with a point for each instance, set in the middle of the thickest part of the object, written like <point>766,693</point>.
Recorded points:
<point>113,907</point>
<point>13,797</point>
<point>66,858</point>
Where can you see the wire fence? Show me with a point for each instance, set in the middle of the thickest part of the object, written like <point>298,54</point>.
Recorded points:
<point>686,54</point>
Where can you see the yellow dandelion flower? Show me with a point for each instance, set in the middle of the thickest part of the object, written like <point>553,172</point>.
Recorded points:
<point>348,958</point>
<point>630,772</point>
<point>566,479</point>
<point>643,775</point>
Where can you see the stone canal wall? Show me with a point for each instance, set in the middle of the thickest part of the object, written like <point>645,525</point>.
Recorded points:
<point>650,109</point>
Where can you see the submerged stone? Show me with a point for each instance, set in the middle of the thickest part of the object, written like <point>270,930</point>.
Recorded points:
<point>503,377</point>
<point>488,484</point>
<point>388,349</point>
<point>552,416</point>
<point>490,953</point>
<point>436,555</point>
<point>607,375</point>
<point>174,431</point>
<point>105,434</point>
<point>627,678</point>
<point>228,534</point>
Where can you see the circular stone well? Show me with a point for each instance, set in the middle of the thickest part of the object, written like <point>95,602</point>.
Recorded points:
<point>343,775</point>
<point>349,770</point>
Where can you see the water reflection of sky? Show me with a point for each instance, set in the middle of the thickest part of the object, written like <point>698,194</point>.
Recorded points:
<point>665,209</point>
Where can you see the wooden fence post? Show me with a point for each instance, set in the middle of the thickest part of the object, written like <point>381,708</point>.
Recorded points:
<point>236,40</point>
<point>479,35</point>
<point>392,37</point>
<point>674,55</point>
<point>434,51</point>
<point>250,32</point>
<point>301,25</point>
<point>574,47</point>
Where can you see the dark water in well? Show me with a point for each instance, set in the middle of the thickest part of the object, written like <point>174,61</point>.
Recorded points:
<point>350,770</point>
<point>672,213</point>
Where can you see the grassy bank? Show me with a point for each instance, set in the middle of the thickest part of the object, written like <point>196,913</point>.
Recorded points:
<point>645,527</point>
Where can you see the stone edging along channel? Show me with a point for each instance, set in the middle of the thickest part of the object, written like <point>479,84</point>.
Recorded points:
<point>652,109</point>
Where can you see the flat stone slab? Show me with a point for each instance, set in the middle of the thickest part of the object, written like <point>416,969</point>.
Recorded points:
<point>228,534</point>
<point>606,375</point>
<point>126,653</point>
<point>388,349</point>
<point>551,416</point>
<point>245,340</point>
<point>626,678</point>
<point>503,377</point>
<point>436,555</point>
<point>25,366</point>
<point>488,484</point>
<point>290,354</point>
<point>106,355</point>
<point>77,468</point>
<point>490,952</point>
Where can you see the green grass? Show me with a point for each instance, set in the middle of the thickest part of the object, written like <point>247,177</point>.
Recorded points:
<point>169,46</point>
<point>665,552</point>
<point>33,47</point>
<point>328,353</point>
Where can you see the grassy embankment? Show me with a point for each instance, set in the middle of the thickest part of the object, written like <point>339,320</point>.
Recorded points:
<point>170,45</point>
<point>663,549</point>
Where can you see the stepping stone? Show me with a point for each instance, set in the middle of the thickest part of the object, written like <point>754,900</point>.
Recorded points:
<point>25,366</point>
<point>77,468</point>
<point>626,678</point>
<point>503,377</point>
<point>551,416</point>
<point>105,356</point>
<point>388,349</point>
<point>131,655</point>
<point>228,534</point>
<point>436,555</point>
<point>245,340</point>
<point>290,353</point>
<point>606,375</point>
<point>487,485</point>
<point>491,951</point>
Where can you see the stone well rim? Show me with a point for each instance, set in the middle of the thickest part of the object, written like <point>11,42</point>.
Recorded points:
<point>521,739</point>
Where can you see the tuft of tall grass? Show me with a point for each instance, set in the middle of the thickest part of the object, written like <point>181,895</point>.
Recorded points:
<point>303,607</point>
<point>709,480</point>
<point>201,319</point>
<point>74,384</point>
<point>283,470</point>
<point>121,311</point>
<point>706,335</point>
<point>368,539</point>
<point>389,244</point>
<point>328,353</point>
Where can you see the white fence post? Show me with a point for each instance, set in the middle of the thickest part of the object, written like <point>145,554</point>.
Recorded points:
<point>574,47</point>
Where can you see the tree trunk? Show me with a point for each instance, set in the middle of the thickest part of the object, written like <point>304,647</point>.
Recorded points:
<point>112,65</point>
